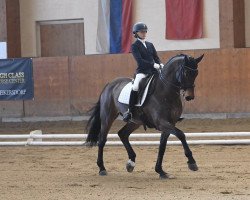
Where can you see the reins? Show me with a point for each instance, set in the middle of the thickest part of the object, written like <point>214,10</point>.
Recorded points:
<point>178,77</point>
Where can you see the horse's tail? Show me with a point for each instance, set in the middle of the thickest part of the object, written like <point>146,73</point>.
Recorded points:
<point>93,126</point>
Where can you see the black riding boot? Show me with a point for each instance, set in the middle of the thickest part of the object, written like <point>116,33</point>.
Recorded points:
<point>132,101</point>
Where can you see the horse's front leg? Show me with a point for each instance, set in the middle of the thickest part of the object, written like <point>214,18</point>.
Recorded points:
<point>124,135</point>
<point>188,153</point>
<point>162,148</point>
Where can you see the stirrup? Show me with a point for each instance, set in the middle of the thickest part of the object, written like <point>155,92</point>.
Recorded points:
<point>127,116</point>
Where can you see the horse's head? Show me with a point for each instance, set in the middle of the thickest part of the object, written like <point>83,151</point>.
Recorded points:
<point>186,75</point>
<point>184,70</point>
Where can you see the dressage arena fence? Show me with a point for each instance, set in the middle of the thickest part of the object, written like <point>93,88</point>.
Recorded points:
<point>37,138</point>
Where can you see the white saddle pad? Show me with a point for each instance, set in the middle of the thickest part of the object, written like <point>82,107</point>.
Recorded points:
<point>125,94</point>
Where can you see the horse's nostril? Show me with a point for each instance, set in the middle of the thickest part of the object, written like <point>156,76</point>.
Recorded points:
<point>188,98</point>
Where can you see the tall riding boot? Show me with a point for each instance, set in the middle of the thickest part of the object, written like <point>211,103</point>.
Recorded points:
<point>132,101</point>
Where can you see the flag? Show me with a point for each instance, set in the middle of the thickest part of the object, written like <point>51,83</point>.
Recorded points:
<point>184,19</point>
<point>114,31</point>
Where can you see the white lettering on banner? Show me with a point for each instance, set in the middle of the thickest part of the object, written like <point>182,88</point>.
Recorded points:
<point>3,75</point>
<point>12,92</point>
<point>10,78</point>
<point>11,81</point>
<point>16,75</point>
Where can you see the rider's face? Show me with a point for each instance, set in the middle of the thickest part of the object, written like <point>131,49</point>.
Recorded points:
<point>142,34</point>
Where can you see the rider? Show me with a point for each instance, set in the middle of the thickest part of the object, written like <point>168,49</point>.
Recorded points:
<point>147,63</point>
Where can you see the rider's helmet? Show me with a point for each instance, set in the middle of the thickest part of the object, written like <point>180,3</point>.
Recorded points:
<point>139,26</point>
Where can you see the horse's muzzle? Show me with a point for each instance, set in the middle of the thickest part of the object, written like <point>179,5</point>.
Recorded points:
<point>189,98</point>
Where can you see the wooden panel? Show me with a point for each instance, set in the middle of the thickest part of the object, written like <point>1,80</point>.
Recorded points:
<point>13,28</point>
<point>239,23</point>
<point>224,78</point>
<point>226,23</point>
<point>11,109</point>
<point>51,85</point>
<point>3,30</point>
<point>232,23</point>
<point>62,39</point>
<point>89,75</point>
<point>70,86</point>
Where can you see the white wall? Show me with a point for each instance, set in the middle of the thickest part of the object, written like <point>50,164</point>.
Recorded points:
<point>153,14</point>
<point>247,22</point>
<point>3,50</point>
<point>40,10</point>
<point>148,11</point>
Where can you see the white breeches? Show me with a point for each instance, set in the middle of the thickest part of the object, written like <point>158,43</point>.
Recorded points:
<point>137,80</point>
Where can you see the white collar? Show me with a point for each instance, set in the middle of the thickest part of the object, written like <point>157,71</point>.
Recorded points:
<point>143,41</point>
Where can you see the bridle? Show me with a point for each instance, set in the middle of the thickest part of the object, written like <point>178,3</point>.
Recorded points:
<point>179,77</point>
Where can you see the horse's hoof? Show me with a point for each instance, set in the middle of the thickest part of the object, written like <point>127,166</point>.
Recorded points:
<point>103,173</point>
<point>166,176</point>
<point>90,144</point>
<point>193,166</point>
<point>130,165</point>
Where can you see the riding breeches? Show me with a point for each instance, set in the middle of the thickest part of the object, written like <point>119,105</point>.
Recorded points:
<point>137,80</point>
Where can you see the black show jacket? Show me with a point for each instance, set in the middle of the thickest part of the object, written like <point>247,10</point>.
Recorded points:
<point>145,57</point>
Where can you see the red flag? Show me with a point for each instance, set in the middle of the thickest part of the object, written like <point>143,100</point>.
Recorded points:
<point>184,19</point>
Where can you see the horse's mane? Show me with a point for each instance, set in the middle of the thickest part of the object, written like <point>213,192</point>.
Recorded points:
<point>171,59</point>
<point>189,59</point>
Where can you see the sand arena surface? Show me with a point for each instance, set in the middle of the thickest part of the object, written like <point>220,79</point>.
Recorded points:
<point>57,173</point>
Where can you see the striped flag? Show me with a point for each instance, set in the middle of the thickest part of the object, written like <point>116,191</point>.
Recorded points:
<point>184,19</point>
<point>114,31</point>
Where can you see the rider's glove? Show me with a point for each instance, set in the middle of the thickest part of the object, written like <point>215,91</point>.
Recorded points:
<point>157,66</point>
<point>162,65</point>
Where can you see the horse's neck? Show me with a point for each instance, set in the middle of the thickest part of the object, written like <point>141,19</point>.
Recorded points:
<point>169,74</point>
<point>171,67</point>
<point>168,88</point>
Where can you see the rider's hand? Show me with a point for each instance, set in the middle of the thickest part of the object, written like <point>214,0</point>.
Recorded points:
<point>157,66</point>
<point>162,65</point>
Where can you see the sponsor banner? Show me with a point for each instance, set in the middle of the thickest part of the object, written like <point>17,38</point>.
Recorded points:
<point>16,79</point>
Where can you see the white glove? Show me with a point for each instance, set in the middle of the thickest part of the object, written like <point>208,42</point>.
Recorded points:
<point>157,66</point>
<point>162,65</point>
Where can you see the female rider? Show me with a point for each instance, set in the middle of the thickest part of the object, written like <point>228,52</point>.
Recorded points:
<point>147,63</point>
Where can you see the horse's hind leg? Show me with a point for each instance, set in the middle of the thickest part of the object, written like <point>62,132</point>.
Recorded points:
<point>100,163</point>
<point>106,122</point>
<point>124,135</point>
<point>188,153</point>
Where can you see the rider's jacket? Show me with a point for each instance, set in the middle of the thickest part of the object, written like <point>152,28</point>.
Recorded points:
<point>145,57</point>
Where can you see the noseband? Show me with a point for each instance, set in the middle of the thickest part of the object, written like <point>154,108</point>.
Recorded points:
<point>179,77</point>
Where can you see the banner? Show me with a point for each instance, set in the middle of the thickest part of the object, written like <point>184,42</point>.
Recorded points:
<point>184,19</point>
<point>16,79</point>
<point>114,31</point>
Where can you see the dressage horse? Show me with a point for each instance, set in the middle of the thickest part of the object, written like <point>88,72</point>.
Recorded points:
<point>162,108</point>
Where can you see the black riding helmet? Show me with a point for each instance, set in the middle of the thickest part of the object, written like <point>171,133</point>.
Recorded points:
<point>139,27</point>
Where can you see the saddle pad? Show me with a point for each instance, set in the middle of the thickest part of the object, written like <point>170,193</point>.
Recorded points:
<point>125,94</point>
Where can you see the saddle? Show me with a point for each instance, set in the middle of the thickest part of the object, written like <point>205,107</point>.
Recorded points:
<point>146,88</point>
<point>143,92</point>
<point>143,87</point>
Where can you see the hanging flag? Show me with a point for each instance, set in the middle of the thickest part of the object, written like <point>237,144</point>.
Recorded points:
<point>184,19</point>
<point>114,31</point>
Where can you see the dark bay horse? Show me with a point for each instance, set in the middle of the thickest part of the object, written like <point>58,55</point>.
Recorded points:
<point>162,108</point>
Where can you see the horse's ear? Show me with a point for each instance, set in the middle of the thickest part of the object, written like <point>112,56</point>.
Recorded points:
<point>186,59</point>
<point>197,60</point>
